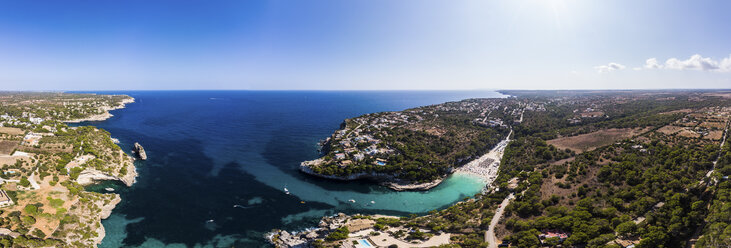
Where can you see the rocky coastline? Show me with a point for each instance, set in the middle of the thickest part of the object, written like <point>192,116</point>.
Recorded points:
<point>328,224</point>
<point>105,115</point>
<point>383,179</point>
<point>105,213</point>
<point>90,176</point>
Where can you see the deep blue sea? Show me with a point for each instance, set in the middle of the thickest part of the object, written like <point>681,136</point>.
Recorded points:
<point>218,162</point>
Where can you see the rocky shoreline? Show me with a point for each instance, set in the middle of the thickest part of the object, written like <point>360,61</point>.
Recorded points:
<point>105,115</point>
<point>489,175</point>
<point>384,179</point>
<point>105,213</point>
<point>91,176</point>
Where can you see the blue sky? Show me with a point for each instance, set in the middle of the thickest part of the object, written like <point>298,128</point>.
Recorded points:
<point>370,45</point>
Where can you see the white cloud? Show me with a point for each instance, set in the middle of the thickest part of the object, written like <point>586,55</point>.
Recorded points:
<point>609,67</point>
<point>725,64</point>
<point>695,62</point>
<point>652,63</point>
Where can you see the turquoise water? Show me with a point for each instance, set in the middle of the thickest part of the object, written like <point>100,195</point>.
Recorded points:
<point>218,162</point>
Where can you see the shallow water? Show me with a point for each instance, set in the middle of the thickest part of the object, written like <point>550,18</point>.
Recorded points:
<point>219,160</point>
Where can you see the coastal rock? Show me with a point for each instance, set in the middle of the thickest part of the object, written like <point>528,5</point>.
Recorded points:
<point>140,151</point>
<point>281,238</point>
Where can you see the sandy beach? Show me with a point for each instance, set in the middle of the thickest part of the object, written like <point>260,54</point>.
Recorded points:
<point>487,166</point>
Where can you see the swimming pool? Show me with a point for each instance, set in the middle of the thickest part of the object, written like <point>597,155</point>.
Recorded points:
<point>365,243</point>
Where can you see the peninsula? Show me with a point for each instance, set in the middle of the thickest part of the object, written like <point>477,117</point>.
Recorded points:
<point>581,169</point>
<point>45,163</point>
<point>417,148</point>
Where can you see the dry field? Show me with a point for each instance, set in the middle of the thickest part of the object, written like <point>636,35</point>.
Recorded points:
<point>719,94</point>
<point>590,141</point>
<point>11,130</point>
<point>7,146</point>
<point>714,135</point>
<point>669,130</point>
<point>717,125</point>
<point>689,133</point>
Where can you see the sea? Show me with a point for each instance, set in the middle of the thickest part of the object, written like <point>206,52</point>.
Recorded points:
<point>219,161</point>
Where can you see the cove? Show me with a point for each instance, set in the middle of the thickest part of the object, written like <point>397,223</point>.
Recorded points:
<point>218,162</point>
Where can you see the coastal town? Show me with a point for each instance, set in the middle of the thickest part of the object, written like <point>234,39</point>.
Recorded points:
<point>45,164</point>
<point>573,171</point>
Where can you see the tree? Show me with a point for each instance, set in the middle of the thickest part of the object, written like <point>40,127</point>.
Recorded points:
<point>338,234</point>
<point>31,209</point>
<point>24,181</point>
<point>626,228</point>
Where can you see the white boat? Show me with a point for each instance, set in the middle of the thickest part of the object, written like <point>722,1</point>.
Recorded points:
<point>351,200</point>
<point>286,191</point>
<point>109,189</point>
<point>373,202</point>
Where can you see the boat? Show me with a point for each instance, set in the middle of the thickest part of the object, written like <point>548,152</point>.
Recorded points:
<point>286,191</point>
<point>109,189</point>
<point>238,206</point>
<point>351,200</point>
<point>373,202</point>
<point>209,221</point>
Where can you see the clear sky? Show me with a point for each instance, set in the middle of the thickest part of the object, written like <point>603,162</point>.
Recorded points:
<point>368,44</point>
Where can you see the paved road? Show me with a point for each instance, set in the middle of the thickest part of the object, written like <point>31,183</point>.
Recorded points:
<point>490,233</point>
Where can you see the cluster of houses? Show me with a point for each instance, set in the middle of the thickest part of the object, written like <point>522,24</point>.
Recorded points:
<point>358,142</point>
<point>355,147</point>
<point>586,113</point>
<point>7,120</point>
<point>490,122</point>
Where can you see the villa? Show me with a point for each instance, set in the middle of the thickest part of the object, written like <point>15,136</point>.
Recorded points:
<point>5,199</point>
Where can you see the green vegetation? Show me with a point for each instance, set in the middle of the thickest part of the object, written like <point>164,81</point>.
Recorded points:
<point>33,123</point>
<point>717,231</point>
<point>339,234</point>
<point>651,190</point>
<point>417,145</point>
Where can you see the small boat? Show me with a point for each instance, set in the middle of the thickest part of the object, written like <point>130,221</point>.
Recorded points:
<point>209,221</point>
<point>373,202</point>
<point>303,202</point>
<point>286,191</point>
<point>109,189</point>
<point>238,206</point>
<point>351,200</point>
